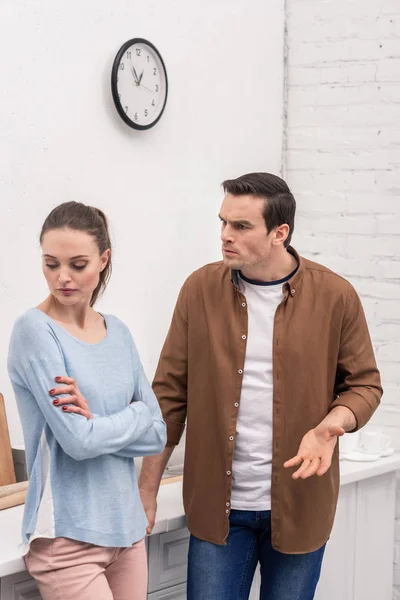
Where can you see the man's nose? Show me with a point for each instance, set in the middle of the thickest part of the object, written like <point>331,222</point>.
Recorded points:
<point>227,234</point>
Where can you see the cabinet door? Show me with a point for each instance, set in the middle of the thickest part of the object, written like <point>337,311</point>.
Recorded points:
<point>337,575</point>
<point>255,588</point>
<point>375,538</point>
<point>168,559</point>
<point>19,586</point>
<point>178,592</point>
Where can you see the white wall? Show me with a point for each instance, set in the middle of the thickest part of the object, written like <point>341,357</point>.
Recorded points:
<point>61,139</point>
<point>343,159</point>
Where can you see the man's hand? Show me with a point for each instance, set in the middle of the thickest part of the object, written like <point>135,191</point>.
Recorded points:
<point>149,502</point>
<point>315,451</point>
<point>149,481</point>
<point>81,406</point>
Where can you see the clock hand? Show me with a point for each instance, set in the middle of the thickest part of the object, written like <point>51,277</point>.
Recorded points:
<point>135,74</point>
<point>140,78</point>
<point>146,88</point>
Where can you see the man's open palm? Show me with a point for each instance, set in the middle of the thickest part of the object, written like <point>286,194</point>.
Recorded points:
<point>315,451</point>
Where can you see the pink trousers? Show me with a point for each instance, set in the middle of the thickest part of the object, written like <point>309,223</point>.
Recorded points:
<point>69,570</point>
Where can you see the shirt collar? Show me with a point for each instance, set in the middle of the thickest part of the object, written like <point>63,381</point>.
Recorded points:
<point>291,284</point>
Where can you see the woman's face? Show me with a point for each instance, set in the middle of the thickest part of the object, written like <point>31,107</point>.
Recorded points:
<point>72,265</point>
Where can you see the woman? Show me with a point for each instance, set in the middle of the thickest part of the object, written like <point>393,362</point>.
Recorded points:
<point>84,524</point>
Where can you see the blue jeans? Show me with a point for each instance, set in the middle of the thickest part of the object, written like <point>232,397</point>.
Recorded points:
<point>226,572</point>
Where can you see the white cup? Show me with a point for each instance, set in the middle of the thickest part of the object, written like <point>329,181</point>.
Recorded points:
<point>349,442</point>
<point>374,442</point>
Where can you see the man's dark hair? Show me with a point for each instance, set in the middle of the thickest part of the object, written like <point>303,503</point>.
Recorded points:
<point>280,205</point>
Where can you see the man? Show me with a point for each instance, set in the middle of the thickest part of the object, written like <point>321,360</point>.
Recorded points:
<point>269,360</point>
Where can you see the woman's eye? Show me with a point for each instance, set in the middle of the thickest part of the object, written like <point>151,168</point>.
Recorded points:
<point>51,266</point>
<point>79,267</point>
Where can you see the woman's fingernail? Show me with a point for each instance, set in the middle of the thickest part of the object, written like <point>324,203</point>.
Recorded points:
<point>55,402</point>
<point>64,408</point>
<point>57,378</point>
<point>51,392</point>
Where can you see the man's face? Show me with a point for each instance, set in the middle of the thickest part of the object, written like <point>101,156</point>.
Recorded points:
<point>245,239</point>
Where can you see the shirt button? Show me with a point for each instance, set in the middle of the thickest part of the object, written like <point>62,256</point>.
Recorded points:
<point>236,404</point>
<point>227,511</point>
<point>244,337</point>
<point>229,472</point>
<point>231,438</point>
<point>244,304</point>
<point>240,371</point>
<point>228,504</point>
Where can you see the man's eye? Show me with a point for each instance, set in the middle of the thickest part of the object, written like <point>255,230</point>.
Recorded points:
<point>240,226</point>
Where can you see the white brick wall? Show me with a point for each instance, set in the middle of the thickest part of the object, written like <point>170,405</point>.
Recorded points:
<point>342,160</point>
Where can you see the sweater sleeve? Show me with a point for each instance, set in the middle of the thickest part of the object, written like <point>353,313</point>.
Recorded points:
<point>35,355</point>
<point>153,440</point>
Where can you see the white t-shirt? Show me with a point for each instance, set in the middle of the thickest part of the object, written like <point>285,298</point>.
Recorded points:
<point>252,460</point>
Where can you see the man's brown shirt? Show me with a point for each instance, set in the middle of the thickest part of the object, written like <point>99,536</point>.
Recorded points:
<point>322,358</point>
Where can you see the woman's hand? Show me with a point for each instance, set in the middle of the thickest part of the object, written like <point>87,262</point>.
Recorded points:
<point>79,402</point>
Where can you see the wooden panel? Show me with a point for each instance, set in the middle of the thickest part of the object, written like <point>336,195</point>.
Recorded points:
<point>168,559</point>
<point>337,574</point>
<point>13,494</point>
<point>375,538</point>
<point>171,479</point>
<point>7,474</point>
<point>178,592</point>
<point>19,586</point>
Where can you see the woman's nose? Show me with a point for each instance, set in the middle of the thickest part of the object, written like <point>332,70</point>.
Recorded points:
<point>64,276</point>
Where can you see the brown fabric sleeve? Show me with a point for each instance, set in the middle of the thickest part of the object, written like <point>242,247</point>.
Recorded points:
<point>358,383</point>
<point>170,380</point>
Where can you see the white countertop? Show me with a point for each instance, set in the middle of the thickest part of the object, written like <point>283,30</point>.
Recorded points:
<point>170,513</point>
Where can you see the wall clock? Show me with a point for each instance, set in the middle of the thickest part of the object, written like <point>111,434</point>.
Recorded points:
<point>139,84</point>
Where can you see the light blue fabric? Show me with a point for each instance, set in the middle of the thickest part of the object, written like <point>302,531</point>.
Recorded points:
<point>92,474</point>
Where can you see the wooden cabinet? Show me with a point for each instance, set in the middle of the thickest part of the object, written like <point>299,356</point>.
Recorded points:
<point>177,592</point>
<point>19,586</point>
<point>337,574</point>
<point>358,562</point>
<point>373,559</point>
<point>255,588</point>
<point>168,559</point>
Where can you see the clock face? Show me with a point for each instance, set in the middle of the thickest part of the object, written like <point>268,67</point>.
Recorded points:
<point>139,84</point>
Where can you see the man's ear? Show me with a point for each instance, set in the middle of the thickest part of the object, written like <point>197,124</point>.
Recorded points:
<point>280,234</point>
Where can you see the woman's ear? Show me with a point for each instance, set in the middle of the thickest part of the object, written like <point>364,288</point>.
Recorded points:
<point>104,258</point>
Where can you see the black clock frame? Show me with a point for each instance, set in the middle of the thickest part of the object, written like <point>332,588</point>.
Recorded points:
<point>114,87</point>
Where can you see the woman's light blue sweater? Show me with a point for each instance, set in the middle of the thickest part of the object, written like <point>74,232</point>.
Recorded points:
<point>82,480</point>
